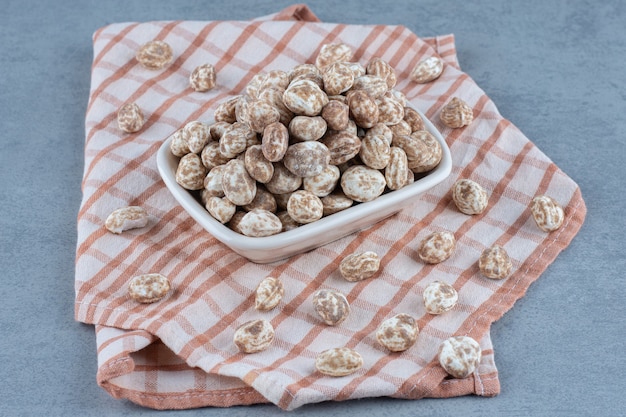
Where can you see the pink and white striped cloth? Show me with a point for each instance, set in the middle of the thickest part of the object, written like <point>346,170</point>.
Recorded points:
<point>178,353</point>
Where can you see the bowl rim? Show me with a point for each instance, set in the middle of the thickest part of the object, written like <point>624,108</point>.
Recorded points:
<point>167,163</point>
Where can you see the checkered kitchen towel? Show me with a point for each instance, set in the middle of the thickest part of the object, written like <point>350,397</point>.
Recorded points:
<point>179,352</point>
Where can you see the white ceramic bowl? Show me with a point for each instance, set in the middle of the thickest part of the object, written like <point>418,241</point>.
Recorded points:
<point>304,238</point>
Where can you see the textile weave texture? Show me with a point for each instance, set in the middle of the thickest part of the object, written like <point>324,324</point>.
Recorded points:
<point>179,352</point>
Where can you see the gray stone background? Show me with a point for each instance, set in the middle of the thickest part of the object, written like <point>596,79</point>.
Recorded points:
<point>556,69</point>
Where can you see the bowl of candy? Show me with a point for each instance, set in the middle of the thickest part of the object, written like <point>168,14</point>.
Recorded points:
<point>302,158</point>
